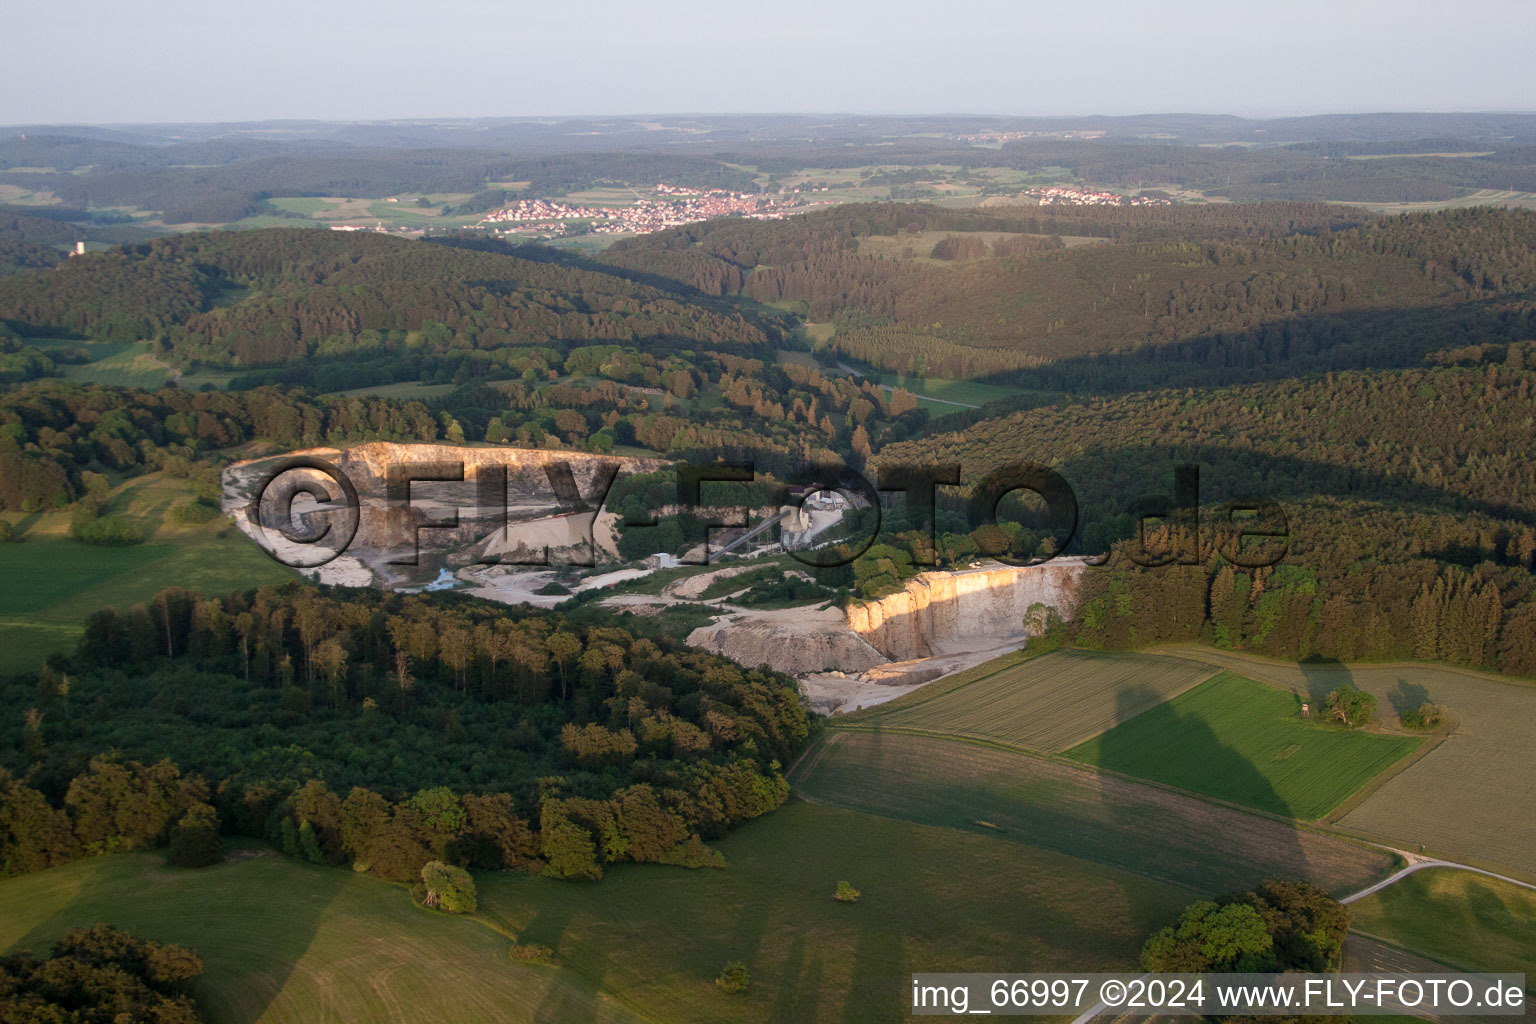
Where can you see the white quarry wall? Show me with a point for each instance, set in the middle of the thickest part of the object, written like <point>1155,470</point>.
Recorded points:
<point>944,612</point>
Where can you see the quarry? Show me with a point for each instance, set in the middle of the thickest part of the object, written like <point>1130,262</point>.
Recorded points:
<point>510,540</point>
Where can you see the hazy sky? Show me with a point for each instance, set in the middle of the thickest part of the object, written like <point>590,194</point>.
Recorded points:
<point>106,61</point>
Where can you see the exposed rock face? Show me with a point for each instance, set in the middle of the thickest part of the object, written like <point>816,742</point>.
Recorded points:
<point>942,612</point>
<point>793,640</point>
<point>386,530</point>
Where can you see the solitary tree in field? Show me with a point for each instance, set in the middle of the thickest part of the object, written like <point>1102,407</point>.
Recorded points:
<point>733,977</point>
<point>846,893</point>
<point>1211,937</point>
<point>448,888</point>
<point>1351,707</point>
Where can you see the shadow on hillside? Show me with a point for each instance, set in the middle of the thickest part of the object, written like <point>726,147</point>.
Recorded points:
<point>139,897</point>
<point>1313,343</point>
<point>1113,476</point>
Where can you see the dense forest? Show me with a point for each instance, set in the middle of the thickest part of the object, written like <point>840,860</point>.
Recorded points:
<point>389,731</point>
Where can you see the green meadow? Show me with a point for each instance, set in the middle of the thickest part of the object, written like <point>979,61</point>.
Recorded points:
<point>54,582</point>
<point>1239,740</point>
<point>1460,917</point>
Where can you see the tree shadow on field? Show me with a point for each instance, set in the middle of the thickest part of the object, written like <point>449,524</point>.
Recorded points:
<point>1209,848</point>
<point>876,987</point>
<point>270,927</point>
<point>1322,676</point>
<point>798,986</point>
<point>559,1004</point>
<point>1406,697</point>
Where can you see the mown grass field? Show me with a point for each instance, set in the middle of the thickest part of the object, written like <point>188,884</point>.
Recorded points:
<point>1473,921</point>
<point>1470,798</point>
<point>55,582</point>
<point>1102,818</point>
<point>1052,702</point>
<point>1239,740</point>
<point>284,941</point>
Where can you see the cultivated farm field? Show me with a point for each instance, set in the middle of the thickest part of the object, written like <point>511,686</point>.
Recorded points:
<point>1102,818</point>
<point>1049,703</point>
<point>1239,740</point>
<point>1472,795</point>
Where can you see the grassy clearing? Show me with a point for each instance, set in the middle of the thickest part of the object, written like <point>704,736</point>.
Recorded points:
<point>127,364</point>
<point>1117,822</point>
<point>1415,156</point>
<point>722,586</point>
<point>922,242</point>
<point>284,941</point>
<point>1239,740</point>
<point>57,581</point>
<point>1052,702</point>
<point>787,357</point>
<point>959,392</point>
<point>1470,798</point>
<point>1480,197</point>
<point>132,367</point>
<point>403,390</point>
<point>1473,921</point>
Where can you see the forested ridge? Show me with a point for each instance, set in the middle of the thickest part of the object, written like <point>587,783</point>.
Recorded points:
<point>387,731</point>
<point>1409,498</point>
<point>264,297</point>
<point>1240,289</point>
<point>56,437</point>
